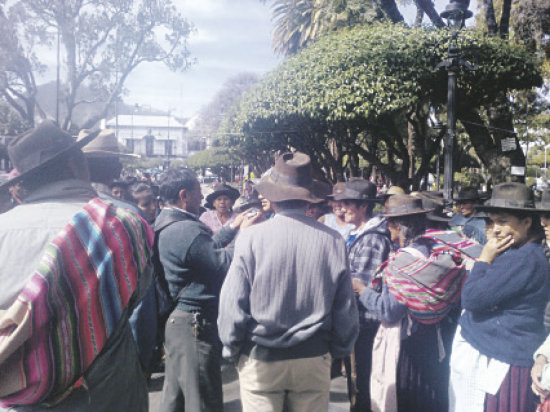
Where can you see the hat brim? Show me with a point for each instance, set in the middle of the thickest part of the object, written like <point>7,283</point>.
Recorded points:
<point>280,193</point>
<point>437,218</point>
<point>540,208</point>
<point>249,205</point>
<point>347,197</point>
<point>106,153</point>
<point>76,145</point>
<point>466,199</point>
<point>416,212</point>
<point>232,194</point>
<point>488,208</point>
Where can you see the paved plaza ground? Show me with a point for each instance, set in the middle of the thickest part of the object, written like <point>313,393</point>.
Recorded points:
<point>232,403</point>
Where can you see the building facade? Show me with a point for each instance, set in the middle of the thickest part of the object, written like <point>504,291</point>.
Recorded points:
<point>150,135</point>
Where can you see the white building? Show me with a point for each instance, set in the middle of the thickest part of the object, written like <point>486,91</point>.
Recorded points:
<point>150,136</point>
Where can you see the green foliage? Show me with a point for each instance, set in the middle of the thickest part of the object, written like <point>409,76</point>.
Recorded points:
<point>298,23</point>
<point>356,91</point>
<point>214,158</point>
<point>368,72</point>
<point>11,123</point>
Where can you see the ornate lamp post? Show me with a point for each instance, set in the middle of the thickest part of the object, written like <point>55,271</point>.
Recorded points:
<point>456,14</point>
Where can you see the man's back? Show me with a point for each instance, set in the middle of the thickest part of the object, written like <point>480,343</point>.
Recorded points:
<point>27,229</point>
<point>25,232</point>
<point>296,269</point>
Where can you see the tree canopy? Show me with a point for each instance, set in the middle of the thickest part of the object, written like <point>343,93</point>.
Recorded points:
<point>367,91</point>
<point>102,43</point>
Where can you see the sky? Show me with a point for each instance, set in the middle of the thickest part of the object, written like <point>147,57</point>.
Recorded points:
<point>232,36</point>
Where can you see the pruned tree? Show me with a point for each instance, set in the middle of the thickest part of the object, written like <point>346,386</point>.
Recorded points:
<point>103,42</point>
<point>361,91</point>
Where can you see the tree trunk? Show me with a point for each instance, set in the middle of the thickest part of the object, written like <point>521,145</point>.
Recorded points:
<point>427,7</point>
<point>504,27</point>
<point>487,144</point>
<point>411,138</point>
<point>419,15</point>
<point>490,18</point>
<point>391,10</point>
<point>502,127</point>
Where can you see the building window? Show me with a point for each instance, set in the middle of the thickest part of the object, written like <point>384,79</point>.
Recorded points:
<point>168,147</point>
<point>149,145</point>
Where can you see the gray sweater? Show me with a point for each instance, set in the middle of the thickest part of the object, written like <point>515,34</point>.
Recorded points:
<point>288,292</point>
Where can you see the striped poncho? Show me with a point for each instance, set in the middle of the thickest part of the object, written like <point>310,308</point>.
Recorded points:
<point>428,286</point>
<point>70,305</point>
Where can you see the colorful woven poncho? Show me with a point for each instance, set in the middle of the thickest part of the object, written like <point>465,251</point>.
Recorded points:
<point>428,286</point>
<point>71,304</point>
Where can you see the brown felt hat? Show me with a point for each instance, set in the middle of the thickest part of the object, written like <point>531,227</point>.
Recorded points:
<point>290,179</point>
<point>105,145</point>
<point>510,196</point>
<point>41,147</point>
<point>404,205</point>
<point>337,189</point>
<point>467,194</point>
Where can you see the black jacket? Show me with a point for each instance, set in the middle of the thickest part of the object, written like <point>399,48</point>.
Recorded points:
<point>193,260</point>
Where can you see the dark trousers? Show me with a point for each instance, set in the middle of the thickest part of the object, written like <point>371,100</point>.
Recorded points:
<point>192,380</point>
<point>363,363</point>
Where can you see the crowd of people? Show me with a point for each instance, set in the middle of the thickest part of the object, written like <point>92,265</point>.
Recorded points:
<point>293,281</point>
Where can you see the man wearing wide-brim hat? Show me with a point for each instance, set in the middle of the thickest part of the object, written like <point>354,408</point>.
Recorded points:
<point>58,309</point>
<point>287,306</point>
<point>335,220</point>
<point>368,247</point>
<point>103,155</point>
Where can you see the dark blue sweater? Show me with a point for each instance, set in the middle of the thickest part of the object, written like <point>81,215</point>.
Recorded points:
<point>195,262</point>
<point>504,304</point>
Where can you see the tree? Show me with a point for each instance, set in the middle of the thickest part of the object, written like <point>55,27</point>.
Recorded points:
<point>211,115</point>
<point>218,159</point>
<point>367,92</point>
<point>103,43</point>
<point>297,23</point>
<point>18,65</point>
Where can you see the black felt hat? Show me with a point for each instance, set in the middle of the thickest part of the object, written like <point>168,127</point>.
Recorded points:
<point>358,189</point>
<point>42,146</point>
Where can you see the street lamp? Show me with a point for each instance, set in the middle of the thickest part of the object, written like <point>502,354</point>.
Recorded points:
<point>456,14</point>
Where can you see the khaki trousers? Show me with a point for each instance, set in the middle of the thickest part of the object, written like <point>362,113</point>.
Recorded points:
<point>298,384</point>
